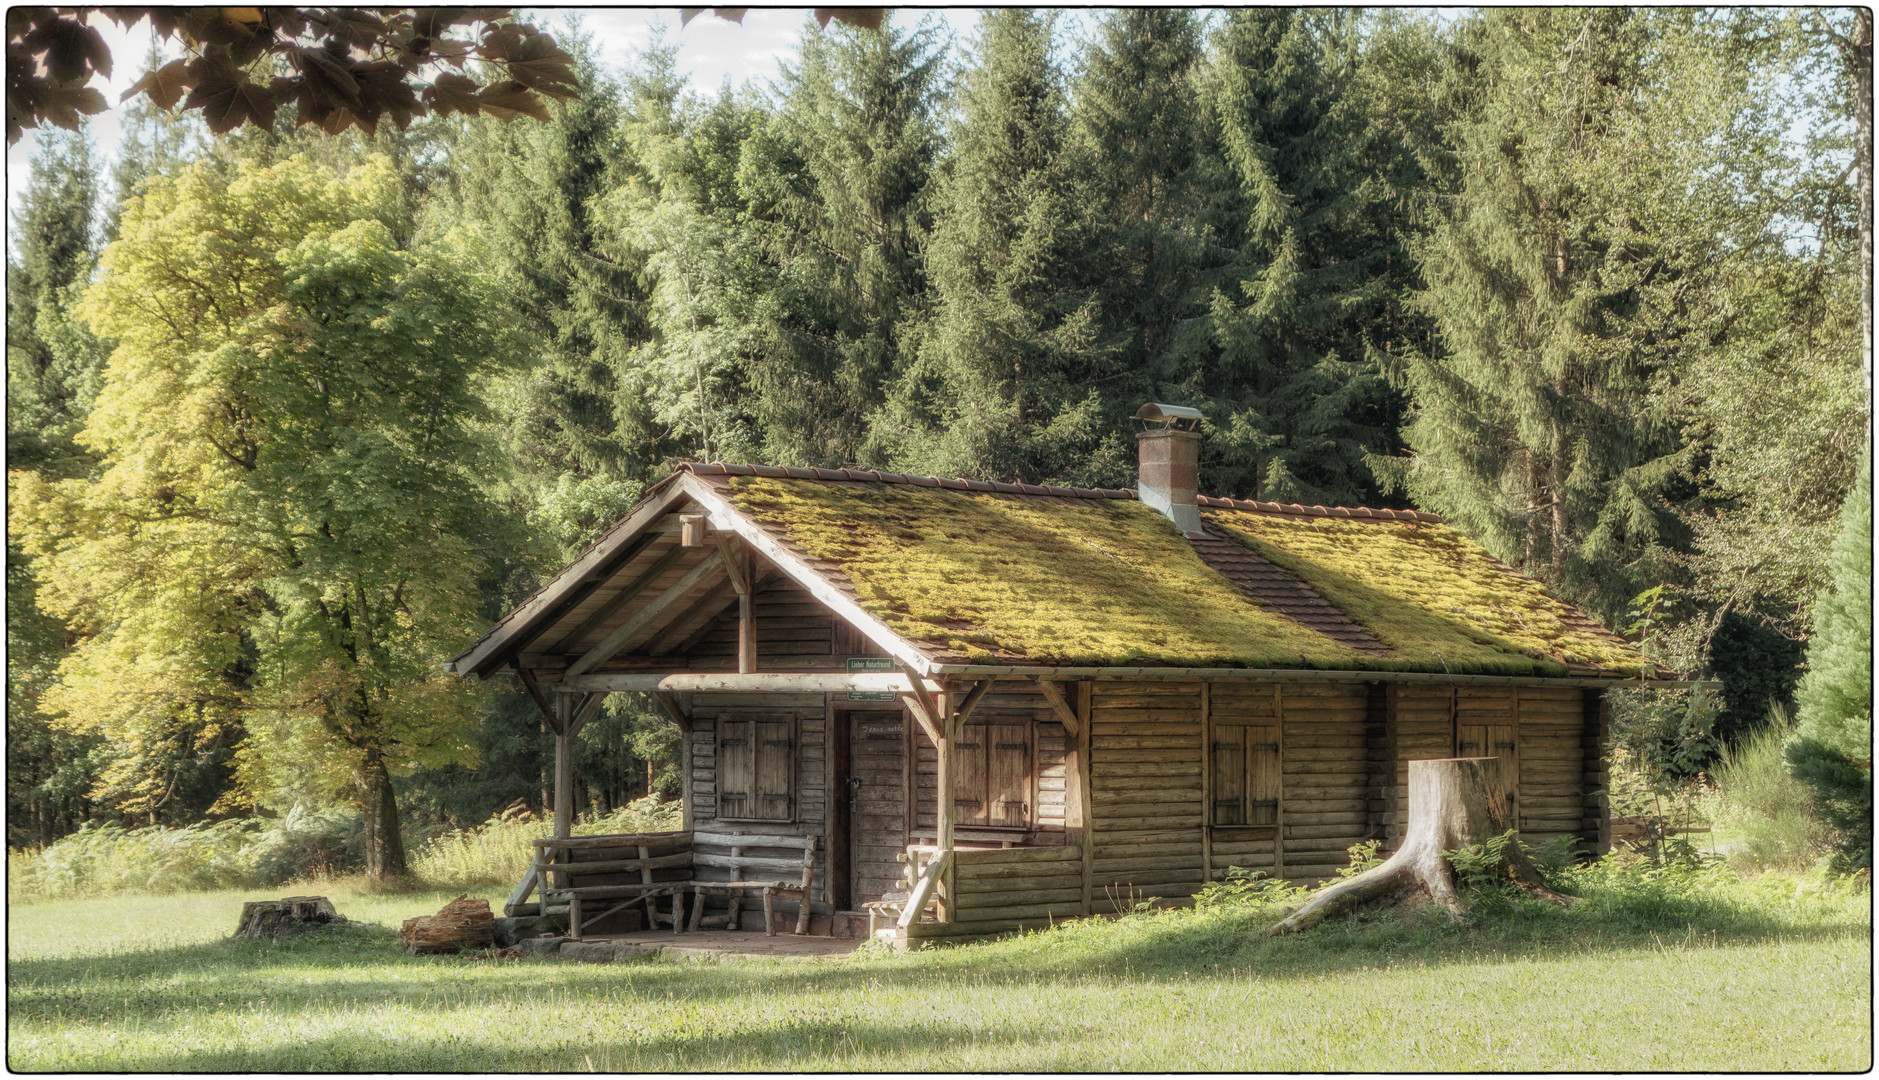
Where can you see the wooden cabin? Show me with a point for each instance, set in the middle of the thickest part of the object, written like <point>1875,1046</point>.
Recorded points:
<point>1089,697</point>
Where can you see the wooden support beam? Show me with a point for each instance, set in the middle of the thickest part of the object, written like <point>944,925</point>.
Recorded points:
<point>761,682</point>
<point>564,767</point>
<point>586,709</point>
<point>945,808</point>
<point>728,548</point>
<point>645,616</point>
<point>688,629</point>
<point>612,605</point>
<point>1061,705</point>
<point>674,710</point>
<point>971,702</point>
<point>541,700</point>
<point>914,696</point>
<point>692,530</point>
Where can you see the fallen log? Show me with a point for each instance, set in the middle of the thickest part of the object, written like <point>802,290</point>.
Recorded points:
<point>461,924</point>
<point>1454,803</point>
<point>278,920</point>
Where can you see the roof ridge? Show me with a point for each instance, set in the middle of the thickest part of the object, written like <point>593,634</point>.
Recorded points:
<point>1357,513</point>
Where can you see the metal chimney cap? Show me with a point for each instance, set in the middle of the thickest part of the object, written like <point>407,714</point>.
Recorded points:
<point>1170,416</point>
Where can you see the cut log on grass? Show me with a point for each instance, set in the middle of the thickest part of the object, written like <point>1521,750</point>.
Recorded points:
<point>1454,803</point>
<point>278,920</point>
<point>462,924</point>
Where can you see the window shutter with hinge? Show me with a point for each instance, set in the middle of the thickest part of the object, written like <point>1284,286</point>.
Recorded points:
<point>737,760</point>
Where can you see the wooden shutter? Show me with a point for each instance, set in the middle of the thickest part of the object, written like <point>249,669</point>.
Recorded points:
<point>776,768</point>
<point>969,803</point>
<point>1229,766</point>
<point>1262,774</point>
<point>737,768</point>
<point>1008,774</point>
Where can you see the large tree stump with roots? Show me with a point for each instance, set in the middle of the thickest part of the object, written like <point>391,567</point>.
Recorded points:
<point>462,924</point>
<point>1454,803</point>
<point>278,920</point>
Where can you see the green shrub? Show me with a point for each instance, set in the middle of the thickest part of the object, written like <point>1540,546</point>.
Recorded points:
<point>1764,807</point>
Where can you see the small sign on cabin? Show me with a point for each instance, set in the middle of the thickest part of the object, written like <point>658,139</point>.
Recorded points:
<point>871,695</point>
<point>870,663</point>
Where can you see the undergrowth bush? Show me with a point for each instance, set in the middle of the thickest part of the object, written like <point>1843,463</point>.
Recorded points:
<point>211,855</point>
<point>1767,811</point>
<point>499,850</point>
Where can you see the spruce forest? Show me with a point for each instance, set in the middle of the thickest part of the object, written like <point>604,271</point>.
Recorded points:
<point>292,417</point>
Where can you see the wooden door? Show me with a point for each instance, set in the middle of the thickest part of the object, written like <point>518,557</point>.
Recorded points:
<point>876,792</point>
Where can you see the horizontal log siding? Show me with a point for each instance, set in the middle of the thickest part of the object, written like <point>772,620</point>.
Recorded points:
<point>1145,792</point>
<point>1552,765</point>
<point>1324,804</point>
<point>794,633</point>
<point>1010,888</point>
<point>811,805</point>
<point>1425,730</point>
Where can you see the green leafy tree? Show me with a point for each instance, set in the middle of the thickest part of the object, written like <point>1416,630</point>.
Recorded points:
<point>53,371</point>
<point>1000,385</point>
<point>285,534</point>
<point>1831,747</point>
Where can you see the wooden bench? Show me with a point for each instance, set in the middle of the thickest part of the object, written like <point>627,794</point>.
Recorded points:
<point>920,873</point>
<point>765,876</point>
<point>629,869</point>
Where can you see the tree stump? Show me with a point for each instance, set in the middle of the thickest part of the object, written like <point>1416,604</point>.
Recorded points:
<point>278,920</point>
<point>1454,803</point>
<point>462,924</point>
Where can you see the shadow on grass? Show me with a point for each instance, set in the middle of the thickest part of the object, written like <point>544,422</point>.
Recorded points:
<point>362,962</point>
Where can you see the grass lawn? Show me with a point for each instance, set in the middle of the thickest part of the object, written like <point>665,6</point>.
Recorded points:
<point>1699,976</point>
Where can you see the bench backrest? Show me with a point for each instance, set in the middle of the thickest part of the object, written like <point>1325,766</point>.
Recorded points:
<point>618,859</point>
<point>756,856</point>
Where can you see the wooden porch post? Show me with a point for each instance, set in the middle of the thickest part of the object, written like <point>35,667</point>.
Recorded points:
<point>948,798</point>
<point>564,766</point>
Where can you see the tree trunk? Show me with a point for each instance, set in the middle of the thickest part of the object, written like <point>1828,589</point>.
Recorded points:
<point>1453,803</point>
<point>462,924</point>
<point>1858,56</point>
<point>384,842</point>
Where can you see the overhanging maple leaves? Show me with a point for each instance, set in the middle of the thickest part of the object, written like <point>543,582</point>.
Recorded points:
<point>337,67</point>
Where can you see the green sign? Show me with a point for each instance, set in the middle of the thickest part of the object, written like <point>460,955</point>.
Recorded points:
<point>870,695</point>
<point>870,663</point>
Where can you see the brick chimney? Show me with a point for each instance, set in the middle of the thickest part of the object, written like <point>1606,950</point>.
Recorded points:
<point>1169,465</point>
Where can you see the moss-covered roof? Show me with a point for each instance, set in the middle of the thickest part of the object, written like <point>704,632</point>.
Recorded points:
<point>1106,581</point>
<point>1431,595</point>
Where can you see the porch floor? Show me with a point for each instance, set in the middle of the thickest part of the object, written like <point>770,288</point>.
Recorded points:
<point>718,944</point>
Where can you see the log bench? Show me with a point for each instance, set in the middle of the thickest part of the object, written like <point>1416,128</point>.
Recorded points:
<point>628,869</point>
<point>764,877</point>
<point>597,876</point>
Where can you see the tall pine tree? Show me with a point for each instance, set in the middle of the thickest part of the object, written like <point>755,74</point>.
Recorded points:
<point>1533,429</point>
<point>1003,385</point>
<point>1300,401</point>
<point>836,186</point>
<point>1136,118</point>
<point>1832,743</point>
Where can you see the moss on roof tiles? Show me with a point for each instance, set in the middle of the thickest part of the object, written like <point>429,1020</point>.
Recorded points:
<point>1097,582</point>
<point>1430,594</point>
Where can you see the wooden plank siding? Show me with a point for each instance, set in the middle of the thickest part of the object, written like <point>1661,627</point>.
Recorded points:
<point>1145,792</point>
